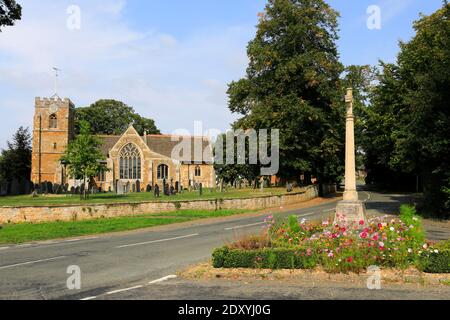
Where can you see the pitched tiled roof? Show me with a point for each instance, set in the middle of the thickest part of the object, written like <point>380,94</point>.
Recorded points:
<point>164,145</point>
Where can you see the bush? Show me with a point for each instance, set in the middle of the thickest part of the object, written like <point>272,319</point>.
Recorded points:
<point>435,262</point>
<point>267,258</point>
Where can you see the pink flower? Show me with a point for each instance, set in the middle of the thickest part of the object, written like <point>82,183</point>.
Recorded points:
<point>331,255</point>
<point>350,260</point>
<point>381,244</point>
<point>361,222</point>
<point>363,235</point>
<point>376,237</point>
<point>308,252</point>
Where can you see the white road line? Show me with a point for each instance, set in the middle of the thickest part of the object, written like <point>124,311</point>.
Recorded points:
<point>156,241</point>
<point>123,290</point>
<point>172,276</point>
<point>88,298</point>
<point>30,262</point>
<point>245,226</point>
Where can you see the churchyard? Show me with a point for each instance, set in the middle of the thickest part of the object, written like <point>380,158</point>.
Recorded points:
<point>136,197</point>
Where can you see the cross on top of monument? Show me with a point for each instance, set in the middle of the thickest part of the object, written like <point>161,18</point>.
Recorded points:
<point>349,95</point>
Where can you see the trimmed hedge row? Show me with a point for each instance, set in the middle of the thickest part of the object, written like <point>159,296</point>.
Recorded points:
<point>436,262</point>
<point>267,258</point>
<point>296,258</point>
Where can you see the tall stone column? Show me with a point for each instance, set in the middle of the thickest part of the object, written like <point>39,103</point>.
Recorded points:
<point>350,209</point>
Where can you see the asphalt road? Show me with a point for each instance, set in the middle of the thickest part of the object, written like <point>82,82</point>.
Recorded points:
<point>113,266</point>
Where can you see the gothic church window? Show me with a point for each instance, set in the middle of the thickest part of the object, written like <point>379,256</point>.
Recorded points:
<point>53,121</point>
<point>130,163</point>
<point>163,171</point>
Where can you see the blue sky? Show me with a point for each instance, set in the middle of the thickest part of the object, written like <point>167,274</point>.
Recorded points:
<point>170,59</point>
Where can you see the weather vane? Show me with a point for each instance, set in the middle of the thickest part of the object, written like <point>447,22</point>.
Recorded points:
<point>56,82</point>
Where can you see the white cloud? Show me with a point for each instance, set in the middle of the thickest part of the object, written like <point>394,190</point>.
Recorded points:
<point>175,81</point>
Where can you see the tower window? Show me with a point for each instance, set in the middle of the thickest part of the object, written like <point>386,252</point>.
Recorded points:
<point>53,122</point>
<point>198,171</point>
<point>54,145</point>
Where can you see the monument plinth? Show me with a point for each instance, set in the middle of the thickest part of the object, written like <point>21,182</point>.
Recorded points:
<point>351,209</point>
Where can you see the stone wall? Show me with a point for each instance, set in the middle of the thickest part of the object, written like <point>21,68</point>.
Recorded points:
<point>84,212</point>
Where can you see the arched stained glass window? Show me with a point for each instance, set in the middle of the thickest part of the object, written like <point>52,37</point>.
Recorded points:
<point>163,171</point>
<point>130,163</point>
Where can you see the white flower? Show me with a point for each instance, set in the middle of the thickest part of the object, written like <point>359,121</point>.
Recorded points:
<point>411,227</point>
<point>392,228</point>
<point>381,244</point>
<point>436,251</point>
<point>425,246</point>
<point>415,219</point>
<point>410,250</point>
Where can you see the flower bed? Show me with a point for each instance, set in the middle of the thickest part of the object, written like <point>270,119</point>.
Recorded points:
<point>383,242</point>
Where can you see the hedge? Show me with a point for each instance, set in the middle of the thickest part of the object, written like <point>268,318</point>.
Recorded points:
<point>296,258</point>
<point>267,258</point>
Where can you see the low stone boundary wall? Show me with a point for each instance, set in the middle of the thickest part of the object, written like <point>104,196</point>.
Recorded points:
<point>83,212</point>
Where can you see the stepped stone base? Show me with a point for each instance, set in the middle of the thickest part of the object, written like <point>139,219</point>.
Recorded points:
<point>350,212</point>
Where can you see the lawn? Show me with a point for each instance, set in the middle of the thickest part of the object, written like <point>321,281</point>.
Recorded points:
<point>42,200</point>
<point>27,232</point>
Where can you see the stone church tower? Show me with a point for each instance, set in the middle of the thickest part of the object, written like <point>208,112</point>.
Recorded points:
<point>53,128</point>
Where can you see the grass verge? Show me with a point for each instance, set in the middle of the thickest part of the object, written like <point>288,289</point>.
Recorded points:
<point>28,232</point>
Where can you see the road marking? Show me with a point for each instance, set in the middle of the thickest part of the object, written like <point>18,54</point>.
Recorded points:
<point>172,276</point>
<point>245,226</point>
<point>123,290</point>
<point>156,241</point>
<point>88,298</point>
<point>30,262</point>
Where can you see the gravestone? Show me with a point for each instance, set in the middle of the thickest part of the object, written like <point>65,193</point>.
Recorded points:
<point>127,187</point>
<point>200,189</point>
<point>109,189</point>
<point>149,188</point>
<point>133,187</point>
<point>156,191</point>
<point>167,190</point>
<point>72,190</point>
<point>120,188</point>
<point>77,190</point>
<point>49,187</point>
<point>289,187</point>
<point>172,190</point>
<point>138,186</point>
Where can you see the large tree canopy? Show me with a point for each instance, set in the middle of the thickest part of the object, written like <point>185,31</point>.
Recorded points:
<point>113,118</point>
<point>409,118</point>
<point>293,84</point>
<point>9,12</point>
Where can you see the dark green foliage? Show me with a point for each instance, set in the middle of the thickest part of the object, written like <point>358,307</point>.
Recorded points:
<point>267,258</point>
<point>293,84</point>
<point>408,121</point>
<point>10,11</point>
<point>113,117</point>
<point>15,161</point>
<point>436,262</point>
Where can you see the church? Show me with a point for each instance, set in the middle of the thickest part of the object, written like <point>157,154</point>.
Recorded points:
<point>180,161</point>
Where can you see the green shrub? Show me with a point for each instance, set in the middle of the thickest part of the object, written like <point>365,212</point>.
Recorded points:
<point>267,258</point>
<point>218,257</point>
<point>293,224</point>
<point>409,217</point>
<point>435,262</point>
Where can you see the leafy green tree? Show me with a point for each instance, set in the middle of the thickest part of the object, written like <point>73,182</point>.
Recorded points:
<point>293,84</point>
<point>15,161</point>
<point>83,156</point>
<point>113,117</point>
<point>10,11</point>
<point>408,123</point>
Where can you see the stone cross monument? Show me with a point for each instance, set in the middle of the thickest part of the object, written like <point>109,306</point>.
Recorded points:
<point>351,209</point>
